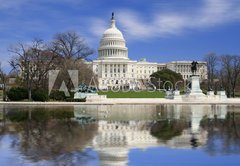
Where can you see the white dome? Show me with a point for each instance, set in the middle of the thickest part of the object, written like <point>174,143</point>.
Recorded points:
<point>112,44</point>
<point>113,32</point>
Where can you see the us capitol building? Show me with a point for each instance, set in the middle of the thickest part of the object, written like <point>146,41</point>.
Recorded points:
<point>113,68</point>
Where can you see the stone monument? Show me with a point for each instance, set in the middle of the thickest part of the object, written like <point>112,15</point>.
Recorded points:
<point>195,81</point>
<point>88,92</point>
<point>177,95</point>
<point>222,94</point>
<point>194,92</point>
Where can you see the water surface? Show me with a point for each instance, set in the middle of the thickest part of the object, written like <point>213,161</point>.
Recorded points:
<point>139,135</point>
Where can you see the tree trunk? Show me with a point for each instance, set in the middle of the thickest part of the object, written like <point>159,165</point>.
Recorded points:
<point>29,94</point>
<point>233,92</point>
<point>4,92</point>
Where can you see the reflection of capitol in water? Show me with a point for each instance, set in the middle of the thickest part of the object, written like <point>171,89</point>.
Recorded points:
<point>125,127</point>
<point>114,139</point>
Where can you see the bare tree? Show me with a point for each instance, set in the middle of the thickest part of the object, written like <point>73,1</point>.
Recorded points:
<point>66,52</point>
<point>3,77</point>
<point>212,62</point>
<point>72,51</point>
<point>69,45</point>
<point>230,73</point>
<point>32,62</point>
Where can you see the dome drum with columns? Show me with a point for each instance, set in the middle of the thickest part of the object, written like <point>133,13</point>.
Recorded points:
<point>115,70</point>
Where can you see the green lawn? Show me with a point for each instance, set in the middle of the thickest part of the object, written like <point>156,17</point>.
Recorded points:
<point>133,94</point>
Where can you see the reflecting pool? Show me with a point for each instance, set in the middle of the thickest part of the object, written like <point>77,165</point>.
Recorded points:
<point>109,135</point>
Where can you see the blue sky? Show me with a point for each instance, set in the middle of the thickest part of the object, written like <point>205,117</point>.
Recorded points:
<point>159,30</point>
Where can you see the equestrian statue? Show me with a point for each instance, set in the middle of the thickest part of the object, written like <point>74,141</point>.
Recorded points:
<point>194,67</point>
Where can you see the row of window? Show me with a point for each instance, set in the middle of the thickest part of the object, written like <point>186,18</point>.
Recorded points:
<point>119,81</point>
<point>118,70</point>
<point>114,65</point>
<point>160,68</point>
<point>111,43</point>
<point>110,52</point>
<point>184,70</point>
<point>145,67</point>
<point>116,75</point>
<point>114,81</point>
<point>115,70</point>
<point>145,71</point>
<point>112,35</point>
<point>120,75</point>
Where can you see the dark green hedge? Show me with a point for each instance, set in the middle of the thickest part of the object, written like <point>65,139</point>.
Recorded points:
<point>17,94</point>
<point>57,95</point>
<point>40,95</point>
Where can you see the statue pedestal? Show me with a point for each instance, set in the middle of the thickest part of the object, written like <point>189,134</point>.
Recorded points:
<point>195,86</point>
<point>222,95</point>
<point>177,95</point>
<point>210,93</point>
<point>96,97</point>
<point>90,97</point>
<point>195,93</point>
<point>169,94</point>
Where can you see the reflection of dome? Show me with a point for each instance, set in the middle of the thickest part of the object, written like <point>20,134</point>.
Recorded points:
<point>113,156</point>
<point>112,44</point>
<point>115,138</point>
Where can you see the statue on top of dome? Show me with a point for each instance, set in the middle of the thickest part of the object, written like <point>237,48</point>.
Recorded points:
<point>112,15</point>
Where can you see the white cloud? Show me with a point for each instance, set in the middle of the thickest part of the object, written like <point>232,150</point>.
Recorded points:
<point>9,4</point>
<point>97,26</point>
<point>216,12</point>
<point>12,3</point>
<point>161,24</point>
<point>136,27</point>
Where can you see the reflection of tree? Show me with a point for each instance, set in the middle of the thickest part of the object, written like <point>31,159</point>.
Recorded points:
<point>46,140</point>
<point>38,113</point>
<point>167,129</point>
<point>45,134</point>
<point>223,134</point>
<point>2,122</point>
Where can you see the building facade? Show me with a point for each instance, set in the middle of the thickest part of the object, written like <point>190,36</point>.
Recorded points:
<point>114,69</point>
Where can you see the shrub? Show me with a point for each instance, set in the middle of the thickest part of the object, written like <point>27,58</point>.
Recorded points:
<point>17,94</point>
<point>40,95</point>
<point>57,95</point>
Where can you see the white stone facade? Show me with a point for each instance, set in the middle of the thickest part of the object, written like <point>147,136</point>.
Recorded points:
<point>114,69</point>
<point>184,68</point>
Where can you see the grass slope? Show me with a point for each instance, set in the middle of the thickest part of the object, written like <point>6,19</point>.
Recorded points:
<point>132,94</point>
